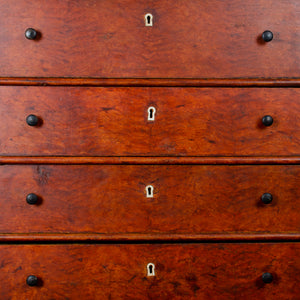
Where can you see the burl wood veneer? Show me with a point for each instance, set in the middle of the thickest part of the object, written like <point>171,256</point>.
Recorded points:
<point>112,200</point>
<point>189,39</point>
<point>84,121</point>
<point>78,149</point>
<point>182,271</point>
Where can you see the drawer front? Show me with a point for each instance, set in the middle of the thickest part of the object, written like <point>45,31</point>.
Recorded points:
<point>149,121</point>
<point>188,39</point>
<point>115,200</point>
<point>195,271</point>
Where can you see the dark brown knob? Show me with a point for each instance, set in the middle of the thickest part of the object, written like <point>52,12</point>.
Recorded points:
<point>267,120</point>
<point>267,36</point>
<point>267,277</point>
<point>32,199</point>
<point>30,34</point>
<point>266,198</point>
<point>32,280</point>
<point>32,120</point>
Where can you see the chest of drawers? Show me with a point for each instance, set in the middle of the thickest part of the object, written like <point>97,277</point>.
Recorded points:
<point>149,149</point>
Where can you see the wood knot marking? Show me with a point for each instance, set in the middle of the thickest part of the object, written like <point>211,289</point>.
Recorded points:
<point>108,35</point>
<point>43,175</point>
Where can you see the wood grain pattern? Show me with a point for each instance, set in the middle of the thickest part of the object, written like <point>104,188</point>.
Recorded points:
<point>129,238</point>
<point>154,82</point>
<point>142,160</point>
<point>112,200</point>
<point>113,121</point>
<point>194,271</point>
<point>189,39</point>
<point>95,152</point>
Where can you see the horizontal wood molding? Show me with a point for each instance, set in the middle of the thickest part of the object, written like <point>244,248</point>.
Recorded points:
<point>89,237</point>
<point>64,160</point>
<point>154,82</point>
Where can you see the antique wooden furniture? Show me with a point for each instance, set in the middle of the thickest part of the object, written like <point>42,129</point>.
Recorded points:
<point>150,149</point>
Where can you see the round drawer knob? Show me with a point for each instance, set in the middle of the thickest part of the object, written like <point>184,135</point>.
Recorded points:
<point>30,34</point>
<point>32,120</point>
<point>267,36</point>
<point>32,280</point>
<point>32,199</point>
<point>267,277</point>
<point>267,120</point>
<point>266,198</point>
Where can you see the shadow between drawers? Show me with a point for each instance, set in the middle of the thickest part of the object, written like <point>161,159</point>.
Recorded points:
<point>145,239</point>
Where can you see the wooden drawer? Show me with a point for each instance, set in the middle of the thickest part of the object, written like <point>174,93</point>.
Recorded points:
<point>112,200</point>
<point>191,271</point>
<point>114,121</point>
<point>188,39</point>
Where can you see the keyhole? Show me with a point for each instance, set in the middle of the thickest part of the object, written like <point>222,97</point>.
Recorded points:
<point>148,20</point>
<point>151,113</point>
<point>150,269</point>
<point>149,191</point>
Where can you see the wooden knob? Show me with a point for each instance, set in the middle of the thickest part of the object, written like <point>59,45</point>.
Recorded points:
<point>32,120</point>
<point>30,34</point>
<point>267,120</point>
<point>32,280</point>
<point>32,199</point>
<point>267,36</point>
<point>267,277</point>
<point>266,198</point>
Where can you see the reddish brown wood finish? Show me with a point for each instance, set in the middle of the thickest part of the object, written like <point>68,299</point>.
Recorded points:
<point>189,39</point>
<point>191,271</point>
<point>189,153</point>
<point>155,82</point>
<point>150,237</point>
<point>112,200</point>
<point>113,121</point>
<point>158,160</point>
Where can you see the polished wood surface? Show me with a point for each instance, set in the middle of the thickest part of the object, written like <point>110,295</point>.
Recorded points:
<point>182,271</point>
<point>90,77</point>
<point>153,82</point>
<point>113,121</point>
<point>37,238</point>
<point>112,199</point>
<point>154,160</point>
<point>189,39</point>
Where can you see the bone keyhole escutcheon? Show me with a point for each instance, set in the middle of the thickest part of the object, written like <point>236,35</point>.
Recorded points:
<point>151,113</point>
<point>148,20</point>
<point>150,269</point>
<point>149,191</point>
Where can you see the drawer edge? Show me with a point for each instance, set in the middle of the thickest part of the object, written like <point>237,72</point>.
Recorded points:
<point>151,82</point>
<point>136,237</point>
<point>148,160</point>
